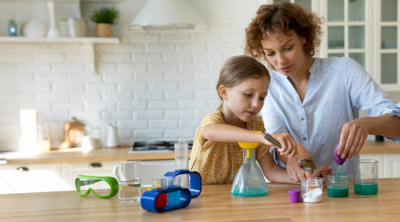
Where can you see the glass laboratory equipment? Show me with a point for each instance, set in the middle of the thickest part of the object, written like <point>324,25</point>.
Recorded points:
<point>249,180</point>
<point>366,177</point>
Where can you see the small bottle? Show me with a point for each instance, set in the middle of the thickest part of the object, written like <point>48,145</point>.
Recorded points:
<point>12,28</point>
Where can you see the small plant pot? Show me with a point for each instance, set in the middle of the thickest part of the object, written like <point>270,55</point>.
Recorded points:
<point>103,30</point>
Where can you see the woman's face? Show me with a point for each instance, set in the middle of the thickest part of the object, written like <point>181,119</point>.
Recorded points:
<point>285,53</point>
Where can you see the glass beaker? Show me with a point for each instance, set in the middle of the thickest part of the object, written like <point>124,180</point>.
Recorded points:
<point>182,162</point>
<point>338,185</point>
<point>249,180</point>
<point>128,175</point>
<point>312,189</point>
<point>366,177</point>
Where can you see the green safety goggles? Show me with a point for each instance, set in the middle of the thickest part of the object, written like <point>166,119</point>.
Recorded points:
<point>103,187</point>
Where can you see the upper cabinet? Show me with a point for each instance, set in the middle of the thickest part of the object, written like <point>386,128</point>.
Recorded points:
<point>365,30</point>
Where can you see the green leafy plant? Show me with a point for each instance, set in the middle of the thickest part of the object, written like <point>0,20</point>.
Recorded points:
<point>105,15</point>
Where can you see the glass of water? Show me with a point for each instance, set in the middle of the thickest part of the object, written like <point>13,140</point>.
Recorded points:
<point>128,175</point>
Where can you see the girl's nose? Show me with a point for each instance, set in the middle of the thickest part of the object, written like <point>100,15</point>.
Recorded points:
<point>255,103</point>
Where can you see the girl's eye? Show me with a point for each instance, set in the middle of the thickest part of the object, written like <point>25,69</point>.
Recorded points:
<point>262,99</point>
<point>289,48</point>
<point>248,95</point>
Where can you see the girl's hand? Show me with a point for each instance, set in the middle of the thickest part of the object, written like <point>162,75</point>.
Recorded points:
<point>352,138</point>
<point>287,142</point>
<point>322,172</point>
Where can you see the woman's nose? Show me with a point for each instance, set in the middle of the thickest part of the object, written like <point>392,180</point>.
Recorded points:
<point>282,59</point>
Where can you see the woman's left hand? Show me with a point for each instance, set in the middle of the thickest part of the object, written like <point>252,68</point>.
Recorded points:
<point>352,138</point>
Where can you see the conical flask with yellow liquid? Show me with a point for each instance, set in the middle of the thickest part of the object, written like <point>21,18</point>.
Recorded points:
<point>249,180</point>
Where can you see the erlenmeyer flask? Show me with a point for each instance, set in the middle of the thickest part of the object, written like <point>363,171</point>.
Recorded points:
<point>249,180</point>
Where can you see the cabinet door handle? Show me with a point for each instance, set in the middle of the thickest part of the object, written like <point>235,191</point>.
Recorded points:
<point>23,168</point>
<point>95,165</point>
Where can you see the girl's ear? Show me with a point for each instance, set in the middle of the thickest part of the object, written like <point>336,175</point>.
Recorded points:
<point>222,91</point>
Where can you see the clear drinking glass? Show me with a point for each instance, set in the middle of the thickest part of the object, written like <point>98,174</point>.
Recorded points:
<point>366,177</point>
<point>312,189</point>
<point>182,162</point>
<point>128,174</point>
<point>338,185</point>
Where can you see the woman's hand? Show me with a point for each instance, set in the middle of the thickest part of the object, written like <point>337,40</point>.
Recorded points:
<point>352,138</point>
<point>287,142</point>
<point>293,169</point>
<point>322,172</point>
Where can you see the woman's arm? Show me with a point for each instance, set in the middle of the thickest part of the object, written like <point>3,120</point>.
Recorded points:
<point>365,94</point>
<point>354,133</point>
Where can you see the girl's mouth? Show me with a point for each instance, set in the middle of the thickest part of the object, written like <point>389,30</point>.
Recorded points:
<point>251,113</point>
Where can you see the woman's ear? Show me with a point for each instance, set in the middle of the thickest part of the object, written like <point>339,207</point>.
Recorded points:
<point>222,91</point>
<point>304,40</point>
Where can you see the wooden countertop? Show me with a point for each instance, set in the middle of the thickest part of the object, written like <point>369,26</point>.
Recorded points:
<point>214,204</point>
<point>116,154</point>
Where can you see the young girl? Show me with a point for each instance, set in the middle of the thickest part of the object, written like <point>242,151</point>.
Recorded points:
<point>242,86</point>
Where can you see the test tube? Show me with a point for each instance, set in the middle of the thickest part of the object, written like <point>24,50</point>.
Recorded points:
<point>160,184</point>
<point>181,162</point>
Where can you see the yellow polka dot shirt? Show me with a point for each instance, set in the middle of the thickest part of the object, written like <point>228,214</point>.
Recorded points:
<point>218,162</point>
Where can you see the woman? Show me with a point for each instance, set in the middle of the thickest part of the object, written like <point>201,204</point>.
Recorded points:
<point>315,100</point>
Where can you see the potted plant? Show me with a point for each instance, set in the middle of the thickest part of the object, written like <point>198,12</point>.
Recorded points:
<point>104,19</point>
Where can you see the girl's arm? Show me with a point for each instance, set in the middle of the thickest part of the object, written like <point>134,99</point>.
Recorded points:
<point>229,133</point>
<point>273,172</point>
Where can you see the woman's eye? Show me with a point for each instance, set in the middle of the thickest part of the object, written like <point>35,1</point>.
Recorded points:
<point>289,48</point>
<point>248,95</point>
<point>271,54</point>
<point>262,99</point>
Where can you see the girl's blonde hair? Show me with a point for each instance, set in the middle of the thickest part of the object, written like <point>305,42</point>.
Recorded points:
<point>238,69</point>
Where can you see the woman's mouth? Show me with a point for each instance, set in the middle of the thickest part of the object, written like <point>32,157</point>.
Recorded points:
<point>287,68</point>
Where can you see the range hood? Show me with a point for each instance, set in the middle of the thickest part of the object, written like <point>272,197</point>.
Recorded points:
<point>167,14</point>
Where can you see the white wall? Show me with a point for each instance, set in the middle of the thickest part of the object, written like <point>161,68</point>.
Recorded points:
<point>156,84</point>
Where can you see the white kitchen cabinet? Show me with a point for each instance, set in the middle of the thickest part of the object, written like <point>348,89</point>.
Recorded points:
<point>5,188</point>
<point>150,169</point>
<point>388,165</point>
<point>35,178</point>
<point>392,165</point>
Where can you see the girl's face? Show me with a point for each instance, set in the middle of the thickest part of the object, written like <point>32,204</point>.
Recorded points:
<point>285,53</point>
<point>246,99</point>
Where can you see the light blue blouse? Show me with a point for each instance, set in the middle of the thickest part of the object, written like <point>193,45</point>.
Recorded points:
<point>338,88</point>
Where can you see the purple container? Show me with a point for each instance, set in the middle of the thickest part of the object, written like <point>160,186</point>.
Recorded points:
<point>295,195</point>
<point>338,159</point>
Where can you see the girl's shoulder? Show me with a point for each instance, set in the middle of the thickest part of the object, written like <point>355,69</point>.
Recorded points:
<point>213,118</point>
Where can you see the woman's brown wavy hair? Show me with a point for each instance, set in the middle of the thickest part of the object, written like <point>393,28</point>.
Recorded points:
<point>285,18</point>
